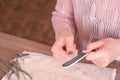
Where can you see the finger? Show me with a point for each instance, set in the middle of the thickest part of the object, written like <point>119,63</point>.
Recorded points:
<point>95,45</point>
<point>95,55</point>
<point>100,58</point>
<point>75,52</point>
<point>97,62</point>
<point>69,44</point>
<point>57,56</point>
<point>74,46</point>
<point>61,55</point>
<point>100,63</point>
<point>58,50</point>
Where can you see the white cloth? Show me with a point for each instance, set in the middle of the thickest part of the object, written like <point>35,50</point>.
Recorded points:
<point>43,67</point>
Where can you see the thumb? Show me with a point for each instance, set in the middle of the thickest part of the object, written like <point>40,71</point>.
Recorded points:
<point>95,45</point>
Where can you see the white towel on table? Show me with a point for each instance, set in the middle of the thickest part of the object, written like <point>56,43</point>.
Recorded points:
<point>43,67</point>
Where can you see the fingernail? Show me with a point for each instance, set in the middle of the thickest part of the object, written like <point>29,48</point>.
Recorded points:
<point>70,53</point>
<point>84,49</point>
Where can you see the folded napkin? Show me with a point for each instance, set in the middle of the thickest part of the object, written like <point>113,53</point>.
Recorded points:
<point>43,67</point>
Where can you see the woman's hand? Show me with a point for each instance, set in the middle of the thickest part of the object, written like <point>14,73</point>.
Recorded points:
<point>107,50</point>
<point>64,47</point>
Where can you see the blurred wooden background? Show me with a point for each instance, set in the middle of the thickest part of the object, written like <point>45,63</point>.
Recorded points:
<point>30,19</point>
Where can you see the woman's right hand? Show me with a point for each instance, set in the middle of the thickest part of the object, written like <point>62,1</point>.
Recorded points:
<point>64,47</point>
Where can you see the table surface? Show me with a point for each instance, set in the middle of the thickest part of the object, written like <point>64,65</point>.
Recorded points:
<point>12,45</point>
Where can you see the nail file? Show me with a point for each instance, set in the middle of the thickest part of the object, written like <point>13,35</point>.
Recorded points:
<point>73,61</point>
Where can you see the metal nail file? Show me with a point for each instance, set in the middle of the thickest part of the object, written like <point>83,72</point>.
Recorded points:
<point>76,59</point>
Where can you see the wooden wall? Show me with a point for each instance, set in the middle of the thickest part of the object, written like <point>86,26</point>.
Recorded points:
<point>30,19</point>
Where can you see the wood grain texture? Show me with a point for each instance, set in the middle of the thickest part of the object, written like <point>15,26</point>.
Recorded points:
<point>10,46</point>
<point>30,19</point>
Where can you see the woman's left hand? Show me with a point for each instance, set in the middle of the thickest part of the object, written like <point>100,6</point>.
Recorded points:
<point>107,50</point>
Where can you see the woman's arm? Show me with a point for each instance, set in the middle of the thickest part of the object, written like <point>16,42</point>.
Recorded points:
<point>63,23</point>
<point>63,17</point>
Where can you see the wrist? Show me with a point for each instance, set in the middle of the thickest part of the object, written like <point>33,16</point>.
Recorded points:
<point>63,32</point>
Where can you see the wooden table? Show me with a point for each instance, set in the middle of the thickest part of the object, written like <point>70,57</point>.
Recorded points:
<point>11,45</point>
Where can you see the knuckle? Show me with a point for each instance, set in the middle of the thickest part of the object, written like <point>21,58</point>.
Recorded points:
<point>89,45</point>
<point>69,38</point>
<point>108,39</point>
<point>53,49</point>
<point>102,66</point>
<point>106,53</point>
<point>106,61</point>
<point>56,56</point>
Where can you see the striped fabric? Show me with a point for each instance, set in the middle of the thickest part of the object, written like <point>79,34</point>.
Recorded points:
<point>100,18</point>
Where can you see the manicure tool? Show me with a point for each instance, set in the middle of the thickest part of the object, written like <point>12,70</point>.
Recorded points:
<point>15,68</point>
<point>79,57</point>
